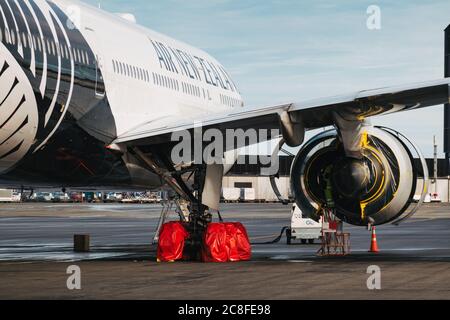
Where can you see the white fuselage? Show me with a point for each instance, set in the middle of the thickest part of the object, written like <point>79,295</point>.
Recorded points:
<point>75,78</point>
<point>171,84</point>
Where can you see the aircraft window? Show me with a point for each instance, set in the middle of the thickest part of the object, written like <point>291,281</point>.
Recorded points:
<point>87,58</point>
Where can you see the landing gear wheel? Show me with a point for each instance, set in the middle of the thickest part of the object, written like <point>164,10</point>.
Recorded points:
<point>311,241</point>
<point>304,241</point>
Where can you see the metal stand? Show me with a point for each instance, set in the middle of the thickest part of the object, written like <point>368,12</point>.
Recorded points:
<point>181,209</point>
<point>334,241</point>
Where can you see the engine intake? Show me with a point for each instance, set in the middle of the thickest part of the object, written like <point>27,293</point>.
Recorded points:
<point>377,189</point>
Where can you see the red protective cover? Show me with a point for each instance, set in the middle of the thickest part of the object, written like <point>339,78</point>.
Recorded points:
<point>171,242</point>
<point>225,242</point>
<point>243,243</point>
<point>215,243</point>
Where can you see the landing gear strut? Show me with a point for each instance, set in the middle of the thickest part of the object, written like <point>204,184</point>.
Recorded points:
<point>199,216</point>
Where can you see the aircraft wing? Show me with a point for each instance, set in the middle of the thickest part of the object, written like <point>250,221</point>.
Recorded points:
<point>311,114</point>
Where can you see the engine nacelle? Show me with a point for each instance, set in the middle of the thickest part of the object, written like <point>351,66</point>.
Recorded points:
<point>377,189</point>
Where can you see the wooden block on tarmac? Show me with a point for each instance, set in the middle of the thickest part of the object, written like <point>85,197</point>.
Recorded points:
<point>81,243</point>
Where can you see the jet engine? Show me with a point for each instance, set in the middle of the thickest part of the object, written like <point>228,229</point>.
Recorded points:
<point>376,189</point>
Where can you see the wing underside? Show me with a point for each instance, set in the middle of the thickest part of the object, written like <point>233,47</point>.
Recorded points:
<point>310,114</point>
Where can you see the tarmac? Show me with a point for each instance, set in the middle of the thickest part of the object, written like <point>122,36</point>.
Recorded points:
<point>36,242</point>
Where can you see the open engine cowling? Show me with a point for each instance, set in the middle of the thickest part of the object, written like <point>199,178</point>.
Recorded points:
<point>377,189</point>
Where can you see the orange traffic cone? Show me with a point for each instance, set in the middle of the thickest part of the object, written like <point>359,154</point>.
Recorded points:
<point>374,245</point>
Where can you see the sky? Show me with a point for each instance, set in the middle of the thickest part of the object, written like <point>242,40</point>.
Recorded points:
<point>289,50</point>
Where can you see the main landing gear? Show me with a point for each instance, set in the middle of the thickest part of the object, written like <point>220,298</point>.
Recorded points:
<point>196,190</point>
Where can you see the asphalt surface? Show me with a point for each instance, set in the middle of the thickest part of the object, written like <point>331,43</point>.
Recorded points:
<point>36,249</point>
